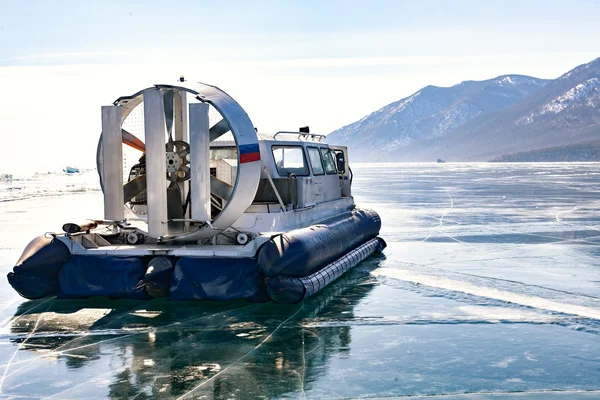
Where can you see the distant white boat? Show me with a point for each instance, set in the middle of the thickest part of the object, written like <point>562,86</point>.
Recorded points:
<point>71,170</point>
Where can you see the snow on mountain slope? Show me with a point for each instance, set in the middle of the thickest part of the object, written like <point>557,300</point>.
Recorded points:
<point>584,94</point>
<point>431,112</point>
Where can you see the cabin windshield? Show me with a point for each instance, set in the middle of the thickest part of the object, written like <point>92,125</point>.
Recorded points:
<point>290,160</point>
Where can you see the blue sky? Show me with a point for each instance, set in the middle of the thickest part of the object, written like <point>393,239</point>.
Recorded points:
<point>43,32</point>
<point>322,63</point>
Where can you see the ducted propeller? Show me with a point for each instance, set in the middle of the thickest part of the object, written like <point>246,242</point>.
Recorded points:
<point>228,201</point>
<point>137,185</point>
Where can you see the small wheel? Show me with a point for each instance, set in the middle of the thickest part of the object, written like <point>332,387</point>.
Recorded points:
<point>132,238</point>
<point>241,238</point>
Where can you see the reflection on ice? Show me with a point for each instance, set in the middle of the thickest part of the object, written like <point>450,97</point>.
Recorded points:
<point>169,349</point>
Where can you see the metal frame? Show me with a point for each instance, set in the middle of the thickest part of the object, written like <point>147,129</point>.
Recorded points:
<point>156,169</point>
<point>112,162</point>
<point>200,161</point>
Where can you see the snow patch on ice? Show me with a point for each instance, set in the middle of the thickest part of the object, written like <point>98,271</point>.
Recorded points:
<point>488,292</point>
<point>505,362</point>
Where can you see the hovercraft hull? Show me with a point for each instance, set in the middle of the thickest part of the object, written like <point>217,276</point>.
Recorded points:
<point>286,268</point>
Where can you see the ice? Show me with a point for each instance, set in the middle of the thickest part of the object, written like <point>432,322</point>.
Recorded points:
<point>487,292</point>
<point>489,289</point>
<point>48,185</point>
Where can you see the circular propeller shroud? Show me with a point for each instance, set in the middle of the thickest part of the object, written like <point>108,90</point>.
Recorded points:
<point>234,119</point>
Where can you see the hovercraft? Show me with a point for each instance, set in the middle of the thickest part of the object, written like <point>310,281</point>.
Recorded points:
<point>209,209</point>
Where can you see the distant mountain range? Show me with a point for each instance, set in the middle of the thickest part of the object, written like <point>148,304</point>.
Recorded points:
<point>482,120</point>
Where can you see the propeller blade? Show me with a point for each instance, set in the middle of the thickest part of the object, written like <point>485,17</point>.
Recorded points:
<point>174,207</point>
<point>169,113</point>
<point>134,187</point>
<point>132,141</point>
<point>219,129</point>
<point>220,188</point>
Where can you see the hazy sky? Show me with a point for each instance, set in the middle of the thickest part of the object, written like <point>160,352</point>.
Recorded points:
<point>321,63</point>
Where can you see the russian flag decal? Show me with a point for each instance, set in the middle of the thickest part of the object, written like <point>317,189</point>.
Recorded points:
<point>249,153</point>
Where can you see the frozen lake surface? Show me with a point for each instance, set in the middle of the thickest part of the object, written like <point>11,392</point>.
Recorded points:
<point>489,289</point>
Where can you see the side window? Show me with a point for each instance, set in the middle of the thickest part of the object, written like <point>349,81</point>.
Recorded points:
<point>328,161</point>
<point>315,161</point>
<point>340,161</point>
<point>290,160</point>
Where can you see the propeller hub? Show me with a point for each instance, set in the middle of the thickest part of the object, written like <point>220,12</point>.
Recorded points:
<point>173,162</point>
